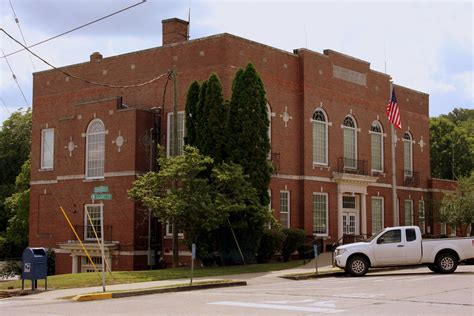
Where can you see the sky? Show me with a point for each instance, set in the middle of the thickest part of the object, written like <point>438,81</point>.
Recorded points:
<point>423,45</point>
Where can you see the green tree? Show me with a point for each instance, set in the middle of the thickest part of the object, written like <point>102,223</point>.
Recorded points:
<point>249,144</point>
<point>18,206</point>
<point>200,119</point>
<point>214,115</point>
<point>15,141</point>
<point>457,208</point>
<point>451,155</point>
<point>191,113</point>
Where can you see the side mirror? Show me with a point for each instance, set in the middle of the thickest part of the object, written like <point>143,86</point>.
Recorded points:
<point>381,240</point>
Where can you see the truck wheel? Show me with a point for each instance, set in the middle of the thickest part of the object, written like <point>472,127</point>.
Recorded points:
<point>357,266</point>
<point>446,263</point>
<point>433,268</point>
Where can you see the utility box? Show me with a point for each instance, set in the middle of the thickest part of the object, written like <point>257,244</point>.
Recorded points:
<point>35,266</point>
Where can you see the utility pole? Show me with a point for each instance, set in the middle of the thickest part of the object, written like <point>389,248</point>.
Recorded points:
<point>175,153</point>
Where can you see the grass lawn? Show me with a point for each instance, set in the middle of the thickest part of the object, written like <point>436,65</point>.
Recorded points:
<point>66,281</point>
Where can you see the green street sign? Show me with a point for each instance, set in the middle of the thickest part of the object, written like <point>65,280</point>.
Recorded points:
<point>101,196</point>
<point>101,189</point>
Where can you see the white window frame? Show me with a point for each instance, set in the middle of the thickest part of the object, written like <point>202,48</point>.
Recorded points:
<point>409,152</point>
<point>169,230</point>
<point>382,219</point>
<point>410,223</point>
<point>372,133</point>
<point>326,196</point>
<point>422,216</point>
<point>326,136</point>
<point>288,206</point>
<point>354,129</point>
<point>169,131</point>
<point>45,150</point>
<point>104,132</point>
<point>87,223</point>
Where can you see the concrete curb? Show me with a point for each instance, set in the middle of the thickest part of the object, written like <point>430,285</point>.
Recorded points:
<point>101,296</point>
<point>92,297</point>
<point>306,276</point>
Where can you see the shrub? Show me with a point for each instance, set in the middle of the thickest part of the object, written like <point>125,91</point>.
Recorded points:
<point>294,239</point>
<point>271,242</point>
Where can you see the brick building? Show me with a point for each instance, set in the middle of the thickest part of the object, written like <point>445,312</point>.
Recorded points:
<point>330,144</point>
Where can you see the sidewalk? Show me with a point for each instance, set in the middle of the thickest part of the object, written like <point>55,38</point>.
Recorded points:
<point>324,264</point>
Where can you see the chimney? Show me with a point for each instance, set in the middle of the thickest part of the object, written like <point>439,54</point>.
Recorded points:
<point>96,57</point>
<point>175,30</point>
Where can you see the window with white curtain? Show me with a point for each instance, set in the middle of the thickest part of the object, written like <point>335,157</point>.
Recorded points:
<point>350,143</point>
<point>377,214</point>
<point>285,209</point>
<point>407,154</point>
<point>47,148</point>
<point>320,138</point>
<point>408,212</point>
<point>95,149</point>
<point>376,139</point>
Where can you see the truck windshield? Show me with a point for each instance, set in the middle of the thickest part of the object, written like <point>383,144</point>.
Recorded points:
<point>373,236</point>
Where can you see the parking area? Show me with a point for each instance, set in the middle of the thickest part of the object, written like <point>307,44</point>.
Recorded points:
<point>402,292</point>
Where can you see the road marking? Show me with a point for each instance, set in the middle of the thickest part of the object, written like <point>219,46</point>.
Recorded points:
<point>280,307</point>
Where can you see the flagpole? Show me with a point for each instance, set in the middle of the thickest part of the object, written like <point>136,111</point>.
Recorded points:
<point>394,172</point>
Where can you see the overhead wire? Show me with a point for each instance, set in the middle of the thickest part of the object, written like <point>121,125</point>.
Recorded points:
<point>79,78</point>
<point>17,21</point>
<point>76,28</point>
<point>15,78</point>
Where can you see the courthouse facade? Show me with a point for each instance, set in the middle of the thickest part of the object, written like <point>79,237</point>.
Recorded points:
<point>330,145</point>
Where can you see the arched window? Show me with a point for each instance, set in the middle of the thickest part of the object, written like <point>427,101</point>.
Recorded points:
<point>95,149</point>
<point>350,142</point>
<point>407,154</point>
<point>320,138</point>
<point>377,146</point>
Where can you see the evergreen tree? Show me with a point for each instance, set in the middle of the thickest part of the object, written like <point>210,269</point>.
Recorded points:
<point>213,128</point>
<point>191,112</point>
<point>248,130</point>
<point>200,120</point>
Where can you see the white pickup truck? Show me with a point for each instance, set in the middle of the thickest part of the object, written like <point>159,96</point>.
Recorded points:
<point>403,246</point>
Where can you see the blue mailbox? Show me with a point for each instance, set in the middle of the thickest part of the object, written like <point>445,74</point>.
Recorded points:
<point>35,266</point>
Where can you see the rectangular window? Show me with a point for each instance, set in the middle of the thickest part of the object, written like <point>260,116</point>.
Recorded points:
<point>408,212</point>
<point>93,223</point>
<point>377,214</point>
<point>320,214</point>
<point>319,143</point>
<point>442,229</point>
<point>285,209</point>
<point>421,216</point>
<point>453,231</point>
<point>169,230</point>
<point>407,156</point>
<point>181,133</point>
<point>377,164</point>
<point>349,202</point>
<point>47,148</point>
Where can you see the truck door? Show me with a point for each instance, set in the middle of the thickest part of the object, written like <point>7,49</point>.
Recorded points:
<point>389,249</point>
<point>412,247</point>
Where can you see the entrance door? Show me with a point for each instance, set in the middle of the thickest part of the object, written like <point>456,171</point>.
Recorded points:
<point>349,220</point>
<point>350,214</point>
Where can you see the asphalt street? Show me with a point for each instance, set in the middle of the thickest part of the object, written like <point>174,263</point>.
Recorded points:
<point>402,292</point>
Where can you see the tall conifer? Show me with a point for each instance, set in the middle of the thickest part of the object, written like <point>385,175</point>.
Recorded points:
<point>248,129</point>
<point>191,113</point>
<point>213,131</point>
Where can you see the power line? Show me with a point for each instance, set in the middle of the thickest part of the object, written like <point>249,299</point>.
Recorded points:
<point>79,78</point>
<point>21,32</point>
<point>14,77</point>
<point>76,28</point>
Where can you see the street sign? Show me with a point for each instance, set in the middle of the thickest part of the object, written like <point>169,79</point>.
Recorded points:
<point>101,189</point>
<point>193,251</point>
<point>101,196</point>
<point>315,247</point>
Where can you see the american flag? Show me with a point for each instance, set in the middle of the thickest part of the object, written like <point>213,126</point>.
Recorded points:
<point>393,112</point>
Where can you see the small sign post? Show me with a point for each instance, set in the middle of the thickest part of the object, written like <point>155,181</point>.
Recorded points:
<point>193,256</point>
<point>315,247</point>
